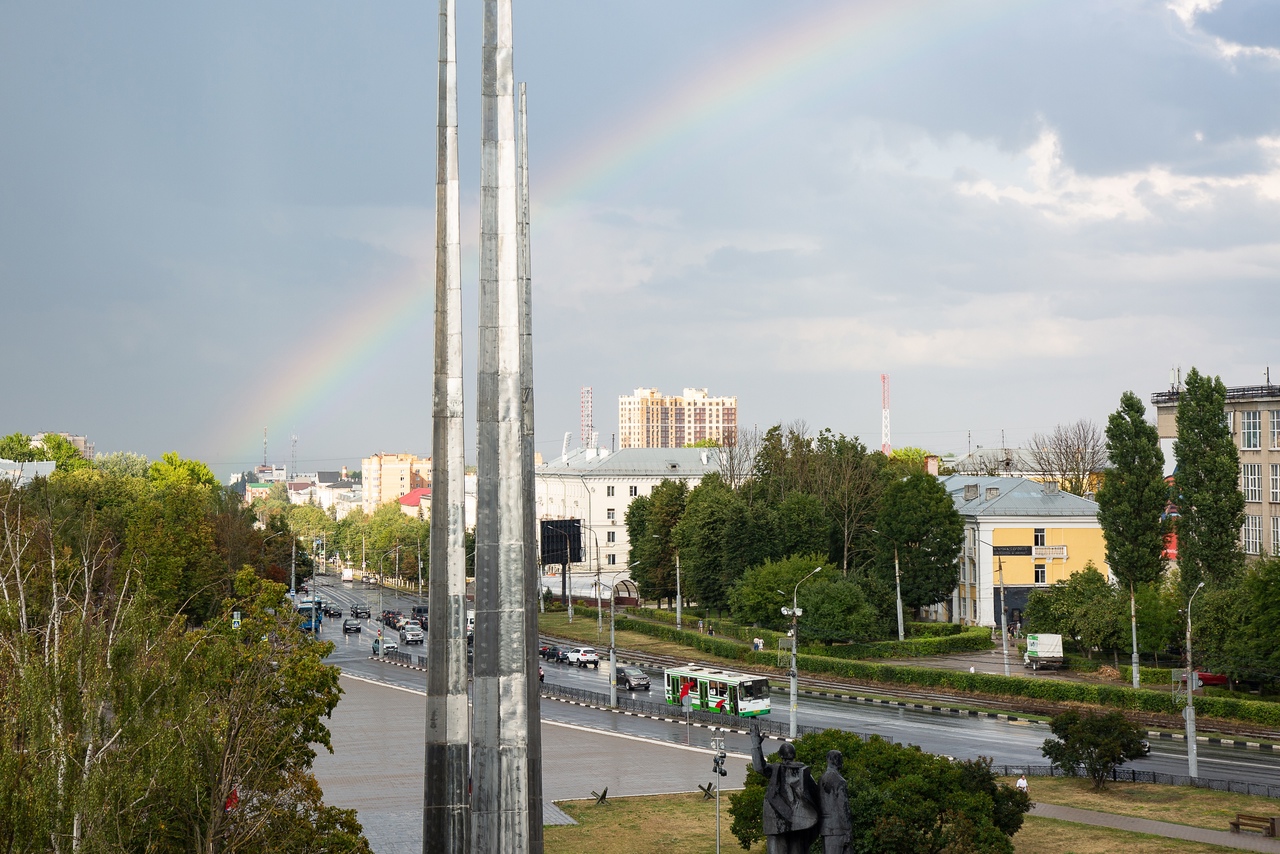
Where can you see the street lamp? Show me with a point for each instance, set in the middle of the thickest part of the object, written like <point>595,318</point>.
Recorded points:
<point>897,583</point>
<point>793,612</point>
<point>679,621</point>
<point>1190,712</point>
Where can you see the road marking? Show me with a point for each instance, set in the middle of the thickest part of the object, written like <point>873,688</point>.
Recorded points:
<point>580,728</point>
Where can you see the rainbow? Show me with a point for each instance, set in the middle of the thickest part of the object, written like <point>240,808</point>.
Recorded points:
<point>867,37</point>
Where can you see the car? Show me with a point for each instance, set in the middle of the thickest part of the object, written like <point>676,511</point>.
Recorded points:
<point>360,611</point>
<point>331,611</point>
<point>411,632</point>
<point>633,679</point>
<point>562,654</point>
<point>542,649</point>
<point>350,626</point>
<point>387,644</point>
<point>584,656</point>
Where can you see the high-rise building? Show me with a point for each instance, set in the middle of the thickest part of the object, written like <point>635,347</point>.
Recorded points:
<point>649,419</point>
<point>1253,415</point>
<point>388,477</point>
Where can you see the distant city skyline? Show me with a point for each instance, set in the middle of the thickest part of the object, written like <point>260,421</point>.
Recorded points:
<point>219,219</point>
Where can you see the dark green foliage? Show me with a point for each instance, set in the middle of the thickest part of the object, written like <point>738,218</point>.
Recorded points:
<point>1132,498</point>
<point>969,639</point>
<point>919,521</point>
<point>901,799</point>
<point>1093,744</point>
<point>717,541</point>
<point>757,599</point>
<point>651,523</point>
<point>1210,504</point>
<point>836,611</point>
<point>800,527</point>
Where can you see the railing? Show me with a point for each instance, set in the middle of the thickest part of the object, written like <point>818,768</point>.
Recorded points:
<point>1133,775</point>
<point>1049,552</point>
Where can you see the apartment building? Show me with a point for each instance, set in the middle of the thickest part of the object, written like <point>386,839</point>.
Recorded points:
<point>650,419</point>
<point>1253,414</point>
<point>389,477</point>
<point>1019,535</point>
<point>597,487</point>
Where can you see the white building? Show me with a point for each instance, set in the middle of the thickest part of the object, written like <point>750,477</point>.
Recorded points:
<point>650,419</point>
<point>597,487</point>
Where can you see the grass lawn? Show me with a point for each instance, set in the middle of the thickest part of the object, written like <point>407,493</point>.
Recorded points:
<point>1050,836</point>
<point>1194,807</point>
<point>686,823</point>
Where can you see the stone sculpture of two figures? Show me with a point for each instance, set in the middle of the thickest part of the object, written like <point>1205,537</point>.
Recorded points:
<point>796,809</point>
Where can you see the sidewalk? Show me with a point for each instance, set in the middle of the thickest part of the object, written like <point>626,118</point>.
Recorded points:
<point>1241,841</point>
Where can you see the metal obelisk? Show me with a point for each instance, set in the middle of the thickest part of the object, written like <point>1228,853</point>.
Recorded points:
<point>526,472</point>
<point>500,772</point>
<point>446,819</point>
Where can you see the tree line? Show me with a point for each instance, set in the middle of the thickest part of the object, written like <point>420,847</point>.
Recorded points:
<point>158,694</point>
<point>786,503</point>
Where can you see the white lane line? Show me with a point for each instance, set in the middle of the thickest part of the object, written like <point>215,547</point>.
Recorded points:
<point>689,747</point>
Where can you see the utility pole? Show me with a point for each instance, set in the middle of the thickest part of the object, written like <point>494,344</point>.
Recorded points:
<point>1189,713</point>
<point>794,612</point>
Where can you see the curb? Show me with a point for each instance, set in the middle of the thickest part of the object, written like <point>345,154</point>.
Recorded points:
<point>1224,742</point>
<point>902,704</point>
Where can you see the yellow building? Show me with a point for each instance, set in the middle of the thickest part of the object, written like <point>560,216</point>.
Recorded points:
<point>389,477</point>
<point>1020,535</point>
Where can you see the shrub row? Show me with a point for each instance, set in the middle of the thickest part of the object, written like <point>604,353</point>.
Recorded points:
<point>727,628</point>
<point>972,639</point>
<point>722,647</point>
<point>1158,676</point>
<point>934,630</point>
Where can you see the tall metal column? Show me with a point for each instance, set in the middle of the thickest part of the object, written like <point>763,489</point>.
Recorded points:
<point>500,799</point>
<point>446,819</point>
<point>526,469</point>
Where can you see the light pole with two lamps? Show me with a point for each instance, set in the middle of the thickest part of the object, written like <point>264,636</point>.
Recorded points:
<point>793,612</point>
<point>1004,608</point>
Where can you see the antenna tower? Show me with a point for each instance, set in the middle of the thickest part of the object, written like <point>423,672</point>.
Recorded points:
<point>586,426</point>
<point>293,465</point>
<point>264,447</point>
<point>885,447</point>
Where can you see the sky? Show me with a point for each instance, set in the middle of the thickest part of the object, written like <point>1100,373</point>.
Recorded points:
<point>218,218</point>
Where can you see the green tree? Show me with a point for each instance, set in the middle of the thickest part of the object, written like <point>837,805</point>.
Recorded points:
<point>760,595</point>
<point>650,527</point>
<point>172,469</point>
<point>848,481</point>
<point>716,541</point>
<point>1210,504</point>
<point>18,448</point>
<point>836,610</point>
<point>1093,744</point>
<point>124,463</point>
<point>901,798</point>
<point>919,520</point>
<point>63,453</point>
<point>799,526</point>
<point>1084,607</point>
<point>1131,504</point>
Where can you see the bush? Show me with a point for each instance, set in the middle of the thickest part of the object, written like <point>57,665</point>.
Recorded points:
<point>934,630</point>
<point>973,639</point>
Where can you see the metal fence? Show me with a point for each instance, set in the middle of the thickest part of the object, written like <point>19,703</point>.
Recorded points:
<point>1133,775</point>
<point>768,725</point>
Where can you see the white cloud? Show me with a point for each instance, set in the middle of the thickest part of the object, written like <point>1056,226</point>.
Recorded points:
<point>1189,10</point>
<point>1054,189</point>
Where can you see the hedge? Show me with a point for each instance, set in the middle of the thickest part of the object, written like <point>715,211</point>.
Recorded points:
<point>1052,690</point>
<point>1161,676</point>
<point>728,628</point>
<point>972,639</point>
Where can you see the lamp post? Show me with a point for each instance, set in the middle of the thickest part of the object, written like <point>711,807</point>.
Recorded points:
<point>1004,610</point>
<point>794,612</point>
<point>1190,712</point>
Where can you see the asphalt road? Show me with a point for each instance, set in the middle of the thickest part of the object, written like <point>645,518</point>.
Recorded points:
<point>963,737</point>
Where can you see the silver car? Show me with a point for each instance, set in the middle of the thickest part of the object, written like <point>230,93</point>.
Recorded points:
<point>411,632</point>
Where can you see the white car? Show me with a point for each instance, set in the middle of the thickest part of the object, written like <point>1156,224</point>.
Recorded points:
<point>584,656</point>
<point>411,632</point>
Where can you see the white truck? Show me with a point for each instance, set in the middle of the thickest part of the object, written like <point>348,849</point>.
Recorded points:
<point>1043,650</point>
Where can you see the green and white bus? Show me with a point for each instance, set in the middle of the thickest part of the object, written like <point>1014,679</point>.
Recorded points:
<point>713,690</point>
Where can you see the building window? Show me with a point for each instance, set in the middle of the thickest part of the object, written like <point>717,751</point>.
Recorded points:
<point>1275,535</point>
<point>1039,537</point>
<point>1275,483</point>
<point>964,606</point>
<point>1040,576</point>
<point>611,515</point>
<point>1228,418</point>
<point>612,560</point>
<point>608,492</point>
<point>1251,481</point>
<point>1250,430</point>
<point>634,491</point>
<point>610,536</point>
<point>1275,429</point>
<point>1252,535</point>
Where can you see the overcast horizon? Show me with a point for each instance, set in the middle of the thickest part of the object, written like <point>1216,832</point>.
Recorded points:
<point>217,219</point>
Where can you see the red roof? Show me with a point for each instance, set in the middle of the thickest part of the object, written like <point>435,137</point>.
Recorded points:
<point>416,496</point>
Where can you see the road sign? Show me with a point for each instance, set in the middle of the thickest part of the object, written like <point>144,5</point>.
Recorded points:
<point>235,619</point>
